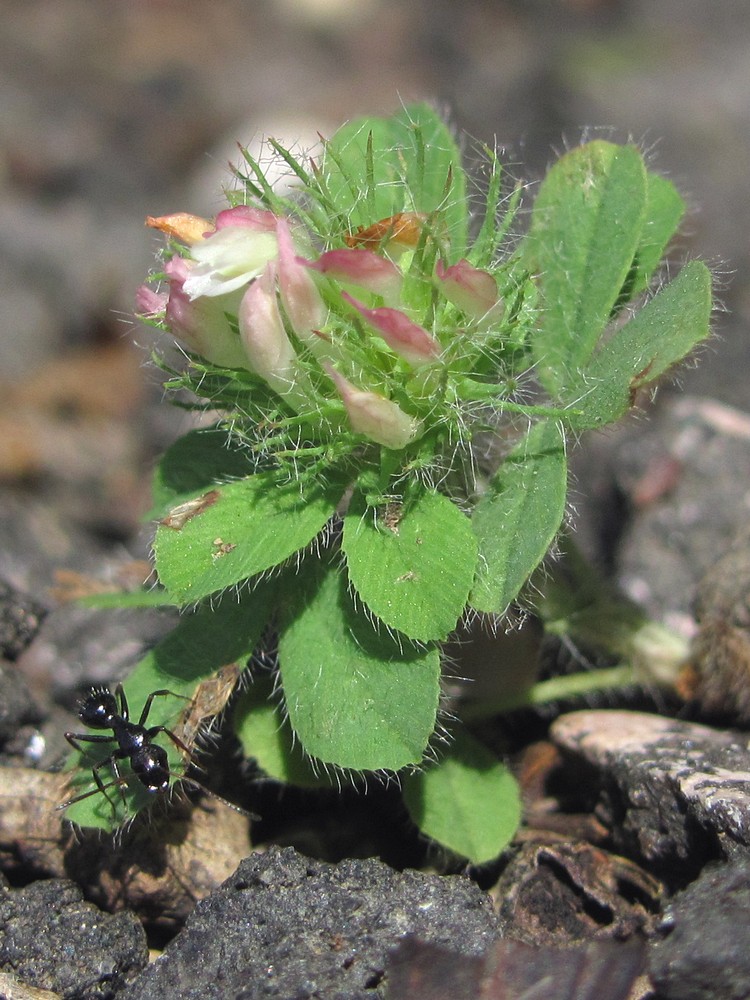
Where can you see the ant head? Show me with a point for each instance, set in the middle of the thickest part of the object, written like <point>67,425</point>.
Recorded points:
<point>98,709</point>
<point>151,767</point>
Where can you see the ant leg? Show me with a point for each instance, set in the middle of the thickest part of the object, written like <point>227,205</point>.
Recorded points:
<point>119,780</point>
<point>154,730</point>
<point>73,739</point>
<point>123,702</point>
<point>100,789</point>
<point>157,694</point>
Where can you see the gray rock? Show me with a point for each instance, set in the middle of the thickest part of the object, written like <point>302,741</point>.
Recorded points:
<point>50,938</point>
<point>17,707</point>
<point>678,790</point>
<point>20,619</point>
<point>286,926</point>
<point>706,951</point>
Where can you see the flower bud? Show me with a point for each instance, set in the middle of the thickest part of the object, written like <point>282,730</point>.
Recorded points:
<point>148,302</point>
<point>469,288</point>
<point>201,324</point>
<point>258,219</point>
<point>380,419</point>
<point>302,302</point>
<point>268,348</point>
<point>362,268</point>
<point>409,340</point>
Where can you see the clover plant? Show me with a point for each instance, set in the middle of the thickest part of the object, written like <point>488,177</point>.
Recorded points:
<point>390,377</point>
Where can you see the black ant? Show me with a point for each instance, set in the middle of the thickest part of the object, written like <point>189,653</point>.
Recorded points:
<point>101,709</point>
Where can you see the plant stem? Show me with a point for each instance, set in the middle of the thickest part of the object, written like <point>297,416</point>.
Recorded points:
<point>554,689</point>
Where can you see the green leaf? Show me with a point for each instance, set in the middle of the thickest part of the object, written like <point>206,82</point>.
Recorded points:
<point>469,801</point>
<point>210,638</point>
<point>413,567</point>
<point>236,531</point>
<point>268,738</point>
<point>154,598</point>
<point>376,167</point>
<point>193,464</point>
<point>355,696</point>
<point>664,211</point>
<point>661,334</point>
<point>586,227</point>
<point>519,516</point>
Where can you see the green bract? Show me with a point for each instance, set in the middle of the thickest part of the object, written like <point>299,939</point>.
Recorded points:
<point>381,322</point>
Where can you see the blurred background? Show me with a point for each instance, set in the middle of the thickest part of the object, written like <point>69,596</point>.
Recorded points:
<point>114,109</point>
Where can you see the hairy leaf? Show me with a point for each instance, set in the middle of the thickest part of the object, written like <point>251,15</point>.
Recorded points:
<point>197,461</point>
<point>355,696</point>
<point>664,210</point>
<point>468,802</point>
<point>657,337</point>
<point>519,516</point>
<point>236,531</point>
<point>413,567</point>
<point>586,226</point>
<point>268,738</point>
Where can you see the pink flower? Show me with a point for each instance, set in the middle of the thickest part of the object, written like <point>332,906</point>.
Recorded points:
<point>236,253</point>
<point>150,303</point>
<point>258,219</point>
<point>409,340</point>
<point>302,302</point>
<point>201,324</point>
<point>469,288</point>
<point>268,348</point>
<point>378,418</point>
<point>362,268</point>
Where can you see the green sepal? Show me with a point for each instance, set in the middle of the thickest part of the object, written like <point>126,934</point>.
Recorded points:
<point>374,168</point>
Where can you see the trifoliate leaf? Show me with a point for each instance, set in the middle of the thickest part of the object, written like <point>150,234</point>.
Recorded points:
<point>586,226</point>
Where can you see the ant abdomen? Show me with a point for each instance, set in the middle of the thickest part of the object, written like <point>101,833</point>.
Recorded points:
<point>151,767</point>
